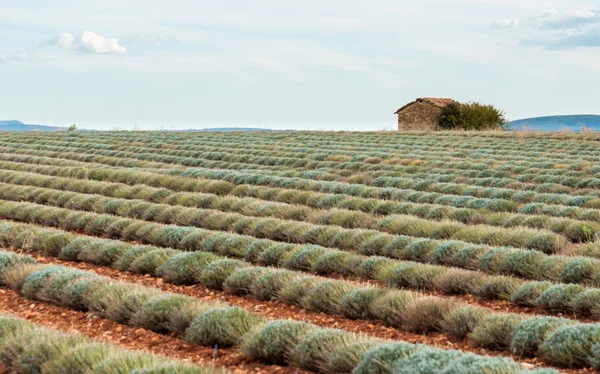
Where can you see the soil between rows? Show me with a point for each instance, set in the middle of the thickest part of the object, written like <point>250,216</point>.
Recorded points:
<point>279,310</point>
<point>134,338</point>
<point>494,305</point>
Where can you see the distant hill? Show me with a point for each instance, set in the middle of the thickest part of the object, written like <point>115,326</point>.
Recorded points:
<point>556,123</point>
<point>20,126</point>
<point>231,129</point>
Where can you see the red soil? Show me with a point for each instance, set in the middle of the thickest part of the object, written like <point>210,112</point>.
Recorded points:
<point>279,310</point>
<point>129,337</point>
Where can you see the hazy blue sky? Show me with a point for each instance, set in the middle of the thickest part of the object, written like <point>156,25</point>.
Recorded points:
<point>318,64</point>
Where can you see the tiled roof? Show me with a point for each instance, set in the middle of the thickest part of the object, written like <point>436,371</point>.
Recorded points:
<point>435,101</point>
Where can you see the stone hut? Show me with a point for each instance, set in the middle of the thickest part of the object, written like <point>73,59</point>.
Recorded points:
<point>422,114</point>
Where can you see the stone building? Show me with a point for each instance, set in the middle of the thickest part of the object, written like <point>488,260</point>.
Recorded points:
<point>422,114</point>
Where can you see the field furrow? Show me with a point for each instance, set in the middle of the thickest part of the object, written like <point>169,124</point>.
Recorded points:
<point>27,347</point>
<point>353,302</point>
<point>325,252</point>
<point>207,322</point>
<point>129,337</point>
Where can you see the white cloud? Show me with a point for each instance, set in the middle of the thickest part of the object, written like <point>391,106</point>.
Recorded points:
<point>65,40</point>
<point>568,19</point>
<point>567,39</point>
<point>266,63</point>
<point>150,39</point>
<point>16,56</point>
<point>88,42</point>
<point>566,29</point>
<point>506,23</point>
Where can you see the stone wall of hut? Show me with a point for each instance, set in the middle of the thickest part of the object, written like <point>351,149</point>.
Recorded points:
<point>419,117</point>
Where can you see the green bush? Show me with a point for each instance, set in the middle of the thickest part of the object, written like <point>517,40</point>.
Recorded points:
<point>426,360</point>
<point>532,332</point>
<point>496,331</point>
<point>241,280</point>
<point>50,242</point>
<point>305,258</point>
<point>34,348</point>
<point>181,318</point>
<point>156,312</point>
<point>560,297</point>
<point>528,293</point>
<point>571,346</point>
<point>327,296</point>
<point>214,275</point>
<point>297,290</point>
<point>497,287</point>
<point>125,261</point>
<point>525,264</point>
<point>587,303</point>
<point>459,281</point>
<point>389,308</point>
<point>460,322</point>
<point>471,116</point>
<point>357,304</point>
<point>444,252</point>
<point>36,281</point>
<point>580,270</point>
<point>333,262</point>
<point>580,232</point>
<point>222,326</point>
<point>149,262</point>
<point>182,268</point>
<point>102,253</point>
<point>410,274</point>
<point>473,364</point>
<point>80,358</point>
<point>383,358</point>
<point>427,313</point>
<point>10,259</point>
<point>315,348</point>
<point>73,294</point>
<point>54,287</point>
<point>126,361</point>
<point>268,285</point>
<point>276,254</point>
<point>347,357</point>
<point>118,301</point>
<point>594,358</point>
<point>376,267</point>
<point>273,343</point>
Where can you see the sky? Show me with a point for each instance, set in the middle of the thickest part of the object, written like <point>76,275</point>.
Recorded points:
<point>290,64</point>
